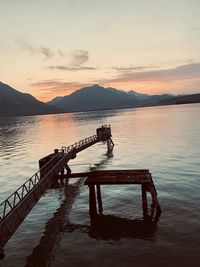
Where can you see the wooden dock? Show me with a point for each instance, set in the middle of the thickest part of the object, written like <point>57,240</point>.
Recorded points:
<point>142,177</point>
<point>18,205</point>
<point>55,167</point>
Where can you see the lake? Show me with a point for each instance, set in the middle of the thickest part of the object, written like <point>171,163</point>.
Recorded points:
<point>57,232</point>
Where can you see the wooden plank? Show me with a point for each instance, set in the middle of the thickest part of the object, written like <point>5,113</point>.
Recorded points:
<point>144,199</point>
<point>112,172</point>
<point>139,179</point>
<point>109,172</point>
<point>137,176</point>
<point>78,174</point>
<point>100,205</point>
<point>92,201</point>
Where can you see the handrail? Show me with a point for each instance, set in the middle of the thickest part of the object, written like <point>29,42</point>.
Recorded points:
<point>12,201</point>
<point>17,206</point>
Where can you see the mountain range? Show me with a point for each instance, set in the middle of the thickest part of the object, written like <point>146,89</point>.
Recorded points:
<point>97,97</point>
<point>15,103</point>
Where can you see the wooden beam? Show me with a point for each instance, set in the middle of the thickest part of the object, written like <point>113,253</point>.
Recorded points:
<point>92,201</point>
<point>99,199</point>
<point>144,199</point>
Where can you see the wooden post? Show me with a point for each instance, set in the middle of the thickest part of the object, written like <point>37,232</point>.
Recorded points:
<point>92,201</point>
<point>67,168</point>
<point>62,175</point>
<point>144,199</point>
<point>99,199</point>
<point>151,189</point>
<point>110,145</point>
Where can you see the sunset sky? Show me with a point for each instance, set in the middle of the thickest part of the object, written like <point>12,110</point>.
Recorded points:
<point>50,48</point>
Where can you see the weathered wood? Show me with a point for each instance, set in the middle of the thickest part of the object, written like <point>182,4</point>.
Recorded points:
<point>119,177</point>
<point>156,205</point>
<point>110,145</point>
<point>79,174</point>
<point>99,199</point>
<point>109,177</point>
<point>17,206</point>
<point>144,199</point>
<point>92,201</point>
<point>118,173</point>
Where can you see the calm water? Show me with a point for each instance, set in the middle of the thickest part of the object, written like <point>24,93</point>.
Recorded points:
<point>57,232</point>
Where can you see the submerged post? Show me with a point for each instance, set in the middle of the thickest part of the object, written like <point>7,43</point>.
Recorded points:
<point>110,145</point>
<point>104,134</point>
<point>140,177</point>
<point>156,205</point>
<point>52,168</point>
<point>100,206</point>
<point>92,201</point>
<point>144,199</point>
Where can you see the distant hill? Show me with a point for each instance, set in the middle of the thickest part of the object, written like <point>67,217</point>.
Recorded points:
<point>92,98</point>
<point>15,103</point>
<point>184,99</point>
<point>97,97</point>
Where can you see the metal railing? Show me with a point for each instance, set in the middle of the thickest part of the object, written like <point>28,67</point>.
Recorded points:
<point>79,144</point>
<point>14,199</point>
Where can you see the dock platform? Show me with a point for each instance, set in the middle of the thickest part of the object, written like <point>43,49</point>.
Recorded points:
<point>54,168</point>
<point>142,177</point>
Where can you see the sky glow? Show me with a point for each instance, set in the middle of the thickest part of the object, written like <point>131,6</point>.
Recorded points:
<point>50,48</point>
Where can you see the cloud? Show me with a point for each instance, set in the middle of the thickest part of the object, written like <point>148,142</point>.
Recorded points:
<point>132,68</point>
<point>78,59</point>
<point>40,50</point>
<point>57,86</point>
<point>54,84</point>
<point>61,53</point>
<point>46,52</point>
<point>71,68</point>
<point>194,29</point>
<point>187,71</point>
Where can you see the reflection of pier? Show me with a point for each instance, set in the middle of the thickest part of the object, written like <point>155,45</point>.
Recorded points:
<point>17,206</point>
<point>55,167</point>
<point>110,227</point>
<point>114,228</point>
<point>44,252</point>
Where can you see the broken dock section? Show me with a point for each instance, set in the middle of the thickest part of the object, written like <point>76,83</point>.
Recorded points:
<point>54,167</point>
<point>118,177</point>
<point>19,204</point>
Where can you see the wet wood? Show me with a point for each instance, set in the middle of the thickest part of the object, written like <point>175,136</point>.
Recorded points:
<point>110,177</point>
<point>144,199</point>
<point>119,177</point>
<point>17,206</point>
<point>92,201</point>
<point>99,199</point>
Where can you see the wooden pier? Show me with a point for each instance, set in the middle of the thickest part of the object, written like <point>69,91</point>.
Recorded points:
<point>18,205</point>
<point>95,179</point>
<point>55,167</point>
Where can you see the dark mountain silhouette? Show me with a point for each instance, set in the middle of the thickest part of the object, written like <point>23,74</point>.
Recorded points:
<point>183,99</point>
<point>92,98</point>
<point>15,103</point>
<point>97,97</point>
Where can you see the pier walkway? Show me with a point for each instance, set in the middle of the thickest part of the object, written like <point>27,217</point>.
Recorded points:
<point>55,167</point>
<point>141,177</point>
<point>18,205</point>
